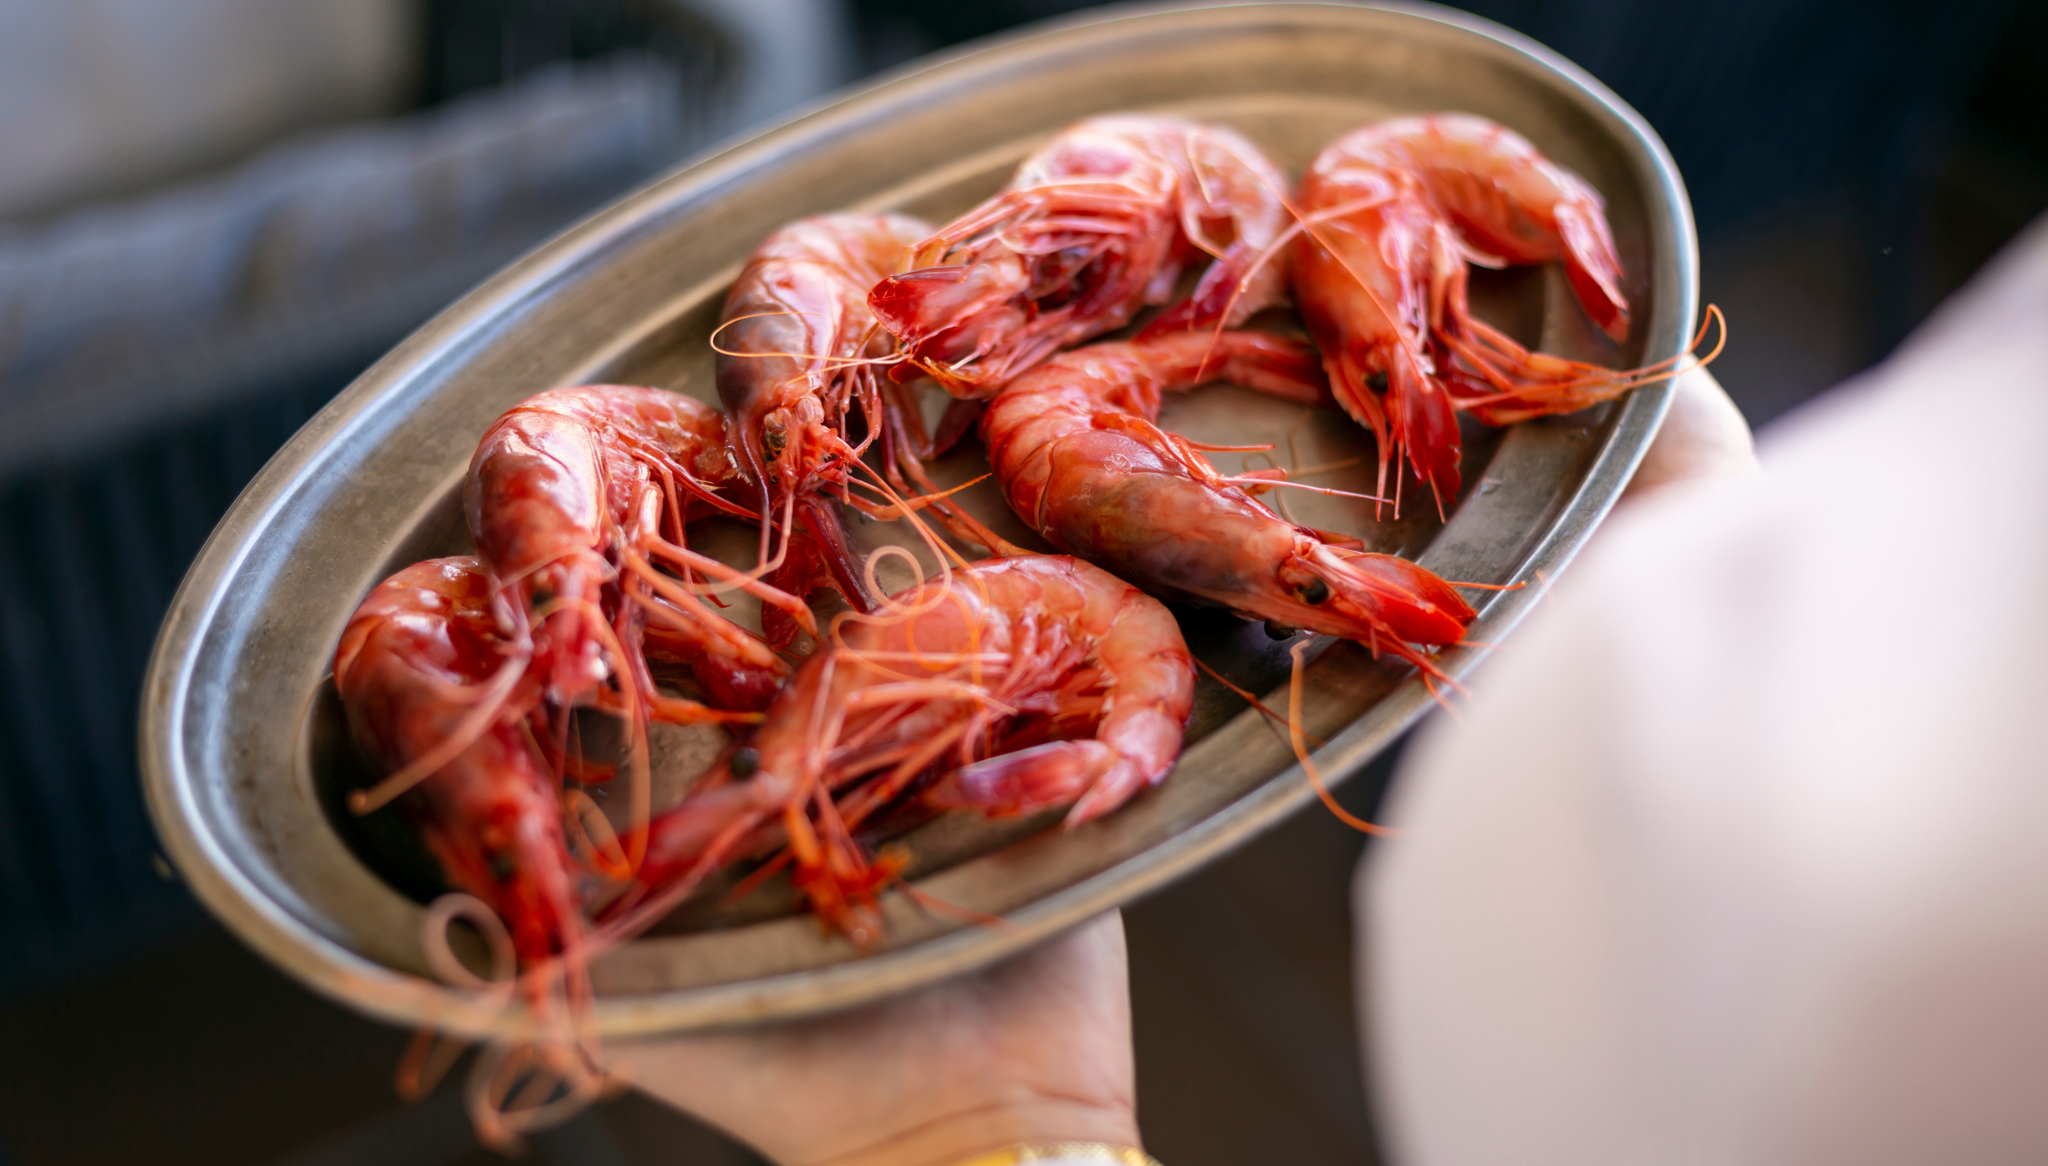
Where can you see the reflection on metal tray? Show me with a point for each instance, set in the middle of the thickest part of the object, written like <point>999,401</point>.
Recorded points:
<point>245,755</point>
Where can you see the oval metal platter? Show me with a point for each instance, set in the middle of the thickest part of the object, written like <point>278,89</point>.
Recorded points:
<point>245,756</point>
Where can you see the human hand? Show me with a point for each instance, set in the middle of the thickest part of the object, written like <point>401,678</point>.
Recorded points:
<point>1035,1049</point>
<point>1704,437</point>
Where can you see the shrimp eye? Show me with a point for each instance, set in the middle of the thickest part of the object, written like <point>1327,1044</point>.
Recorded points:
<point>773,441</point>
<point>502,867</point>
<point>1315,592</point>
<point>746,762</point>
<point>1377,382</point>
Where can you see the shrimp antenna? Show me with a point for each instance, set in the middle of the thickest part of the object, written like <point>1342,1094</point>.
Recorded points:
<point>908,506</point>
<point>931,904</point>
<point>954,517</point>
<point>1250,698</point>
<point>830,362</point>
<point>939,548</point>
<point>1254,480</point>
<point>428,1057</point>
<point>1308,765</point>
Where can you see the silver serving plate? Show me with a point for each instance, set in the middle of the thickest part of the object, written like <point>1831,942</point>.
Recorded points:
<point>243,752</point>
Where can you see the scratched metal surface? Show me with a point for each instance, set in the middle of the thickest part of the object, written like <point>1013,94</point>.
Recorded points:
<point>245,758</point>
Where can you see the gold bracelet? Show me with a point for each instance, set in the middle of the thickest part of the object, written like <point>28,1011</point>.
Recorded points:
<point>1065,1152</point>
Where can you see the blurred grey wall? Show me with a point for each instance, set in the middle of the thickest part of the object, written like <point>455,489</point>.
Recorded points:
<point>100,97</point>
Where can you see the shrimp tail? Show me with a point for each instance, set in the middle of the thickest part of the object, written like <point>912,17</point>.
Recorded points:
<point>1592,268</point>
<point>1042,777</point>
<point>1422,418</point>
<point>1213,302</point>
<point>1500,382</point>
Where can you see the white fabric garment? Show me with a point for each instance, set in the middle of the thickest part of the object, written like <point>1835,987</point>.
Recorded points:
<point>1739,854</point>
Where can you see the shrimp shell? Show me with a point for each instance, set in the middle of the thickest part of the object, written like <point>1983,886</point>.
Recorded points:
<point>1011,685</point>
<point>1100,222</point>
<point>1080,459</point>
<point>1392,214</point>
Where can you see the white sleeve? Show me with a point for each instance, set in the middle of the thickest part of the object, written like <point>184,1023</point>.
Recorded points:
<point>1740,852</point>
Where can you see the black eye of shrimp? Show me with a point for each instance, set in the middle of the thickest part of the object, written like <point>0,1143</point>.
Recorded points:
<point>773,441</point>
<point>1377,382</point>
<point>746,762</point>
<point>1315,592</point>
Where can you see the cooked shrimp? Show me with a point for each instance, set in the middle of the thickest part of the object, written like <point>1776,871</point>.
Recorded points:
<point>428,678</point>
<point>1100,222</point>
<point>1391,216</point>
<point>579,490</point>
<point>430,681</point>
<point>576,498</point>
<point>799,353</point>
<point>1080,460</point>
<point>1014,684</point>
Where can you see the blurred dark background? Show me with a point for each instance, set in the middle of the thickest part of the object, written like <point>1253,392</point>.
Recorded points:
<point>215,213</point>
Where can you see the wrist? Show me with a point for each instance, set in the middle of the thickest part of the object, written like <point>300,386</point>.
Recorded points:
<point>957,1136</point>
